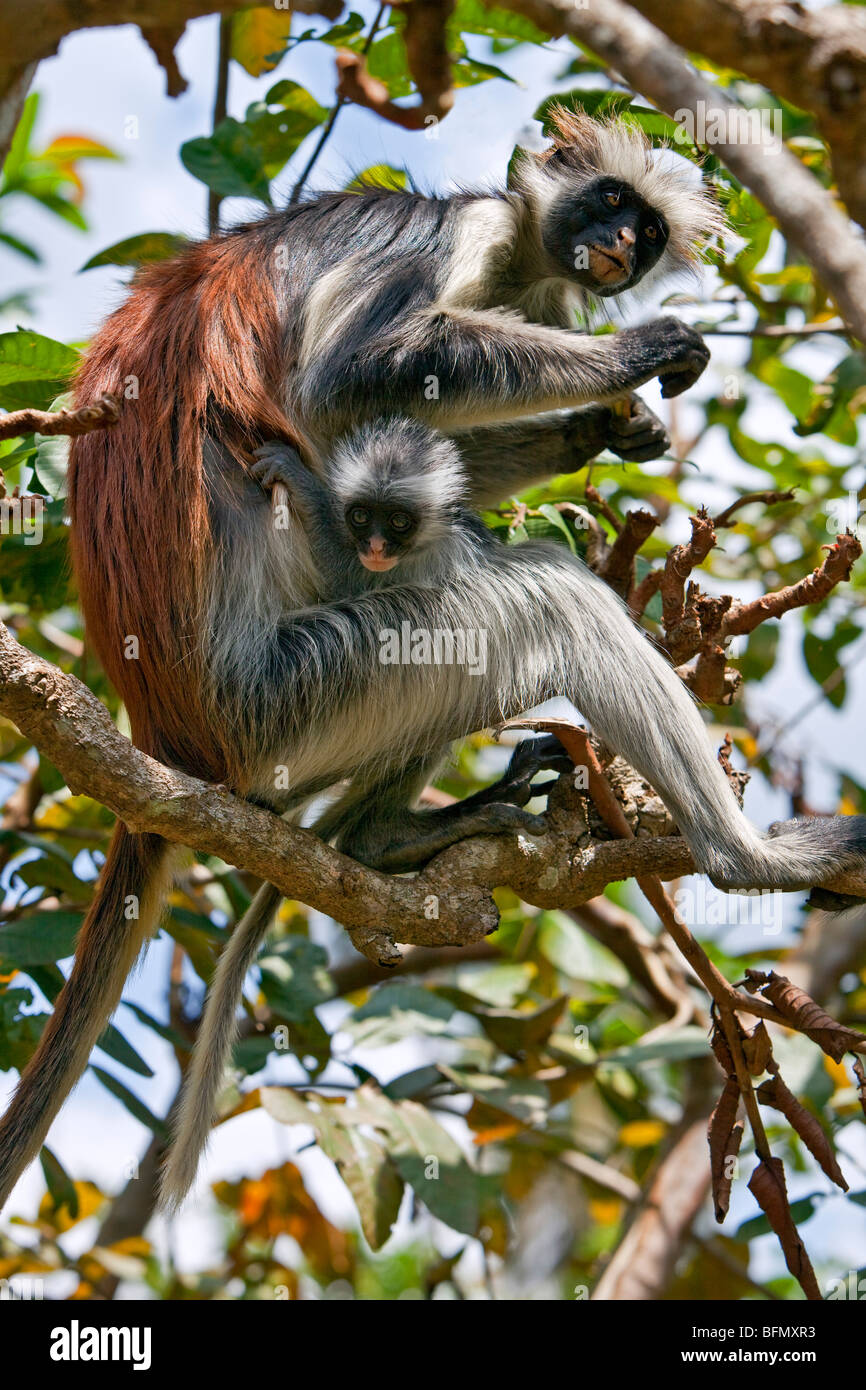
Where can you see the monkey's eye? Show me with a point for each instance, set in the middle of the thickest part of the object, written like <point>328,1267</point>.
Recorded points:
<point>400,521</point>
<point>359,516</point>
<point>613,197</point>
<point>651,231</point>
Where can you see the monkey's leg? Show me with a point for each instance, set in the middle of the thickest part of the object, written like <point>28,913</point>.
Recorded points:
<point>456,369</point>
<point>374,822</point>
<point>502,459</point>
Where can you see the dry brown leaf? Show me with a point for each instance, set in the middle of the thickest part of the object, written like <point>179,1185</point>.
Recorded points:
<point>758,1049</point>
<point>803,1013</point>
<point>767,1186</point>
<point>775,1093</point>
<point>720,1134</point>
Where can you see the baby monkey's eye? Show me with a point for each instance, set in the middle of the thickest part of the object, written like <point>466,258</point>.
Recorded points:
<point>359,516</point>
<point>400,521</point>
<point>613,197</point>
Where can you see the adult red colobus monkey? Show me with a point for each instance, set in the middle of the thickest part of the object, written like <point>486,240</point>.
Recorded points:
<point>456,311</point>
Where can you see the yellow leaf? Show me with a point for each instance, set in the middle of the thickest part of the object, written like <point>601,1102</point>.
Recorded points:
<point>605,1210</point>
<point>839,1072</point>
<point>640,1134</point>
<point>256,33</point>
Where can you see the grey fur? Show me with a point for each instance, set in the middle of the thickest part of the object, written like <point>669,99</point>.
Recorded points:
<point>455,311</point>
<point>553,628</point>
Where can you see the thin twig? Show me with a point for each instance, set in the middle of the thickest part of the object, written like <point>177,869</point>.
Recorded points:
<point>220,110</point>
<point>779,330</point>
<point>332,119</point>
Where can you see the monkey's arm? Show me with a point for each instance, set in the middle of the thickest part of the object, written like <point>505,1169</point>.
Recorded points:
<point>504,459</point>
<point>280,463</point>
<point>459,369</point>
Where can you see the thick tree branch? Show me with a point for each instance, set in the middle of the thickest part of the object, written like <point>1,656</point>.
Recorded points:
<point>25,38</point>
<point>815,59</point>
<point>449,903</point>
<point>654,66</point>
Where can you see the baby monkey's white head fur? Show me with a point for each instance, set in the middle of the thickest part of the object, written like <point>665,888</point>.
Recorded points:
<point>399,487</point>
<point>611,211</point>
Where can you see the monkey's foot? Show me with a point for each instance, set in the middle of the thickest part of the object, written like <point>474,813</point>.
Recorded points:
<point>531,756</point>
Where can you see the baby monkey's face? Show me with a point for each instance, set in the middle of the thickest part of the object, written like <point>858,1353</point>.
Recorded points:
<point>382,531</point>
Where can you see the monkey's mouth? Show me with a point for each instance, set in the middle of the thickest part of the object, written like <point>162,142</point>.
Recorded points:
<point>606,267</point>
<point>379,563</point>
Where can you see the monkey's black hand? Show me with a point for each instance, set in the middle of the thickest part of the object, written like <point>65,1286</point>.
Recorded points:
<point>666,348</point>
<point>278,463</point>
<point>636,437</point>
<point>687,358</point>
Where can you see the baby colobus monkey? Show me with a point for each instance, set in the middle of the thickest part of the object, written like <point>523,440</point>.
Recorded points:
<point>389,508</point>
<point>389,512</point>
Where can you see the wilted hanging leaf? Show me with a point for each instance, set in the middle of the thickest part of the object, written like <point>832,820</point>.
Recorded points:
<point>719,1044</point>
<point>361,1161</point>
<point>767,1186</point>
<point>775,1093</point>
<point>860,1073</point>
<point>802,1011</point>
<point>720,1133</point>
<point>757,1049</point>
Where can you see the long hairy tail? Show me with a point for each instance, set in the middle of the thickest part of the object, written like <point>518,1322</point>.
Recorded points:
<point>213,1048</point>
<point>137,867</point>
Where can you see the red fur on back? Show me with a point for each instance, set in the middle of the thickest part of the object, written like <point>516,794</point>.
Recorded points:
<point>201,337</point>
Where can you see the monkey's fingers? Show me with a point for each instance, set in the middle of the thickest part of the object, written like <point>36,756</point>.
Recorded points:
<point>639,437</point>
<point>275,463</point>
<point>685,372</point>
<point>531,756</point>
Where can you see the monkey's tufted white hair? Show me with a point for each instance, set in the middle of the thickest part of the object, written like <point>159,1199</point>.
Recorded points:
<point>590,148</point>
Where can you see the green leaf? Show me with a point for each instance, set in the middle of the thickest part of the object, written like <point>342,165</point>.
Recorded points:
<point>22,247</point>
<point>136,1107</point>
<point>558,520</point>
<point>469,72</point>
<point>20,146</point>
<point>576,954</point>
<point>169,1034</point>
<point>143,249</point>
<point>397,1011</point>
<point>523,1098</point>
<point>52,462</point>
<point>674,1047</point>
<point>426,1157</point>
<point>294,978</point>
<point>114,1045</point>
<point>61,1188</point>
<point>472,17</point>
<point>26,356</point>
<point>378,176</point>
<point>360,1160</point>
<point>229,162</point>
<point>40,939</point>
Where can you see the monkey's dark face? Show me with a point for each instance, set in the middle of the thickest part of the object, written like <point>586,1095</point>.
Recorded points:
<point>606,237</point>
<point>382,531</point>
